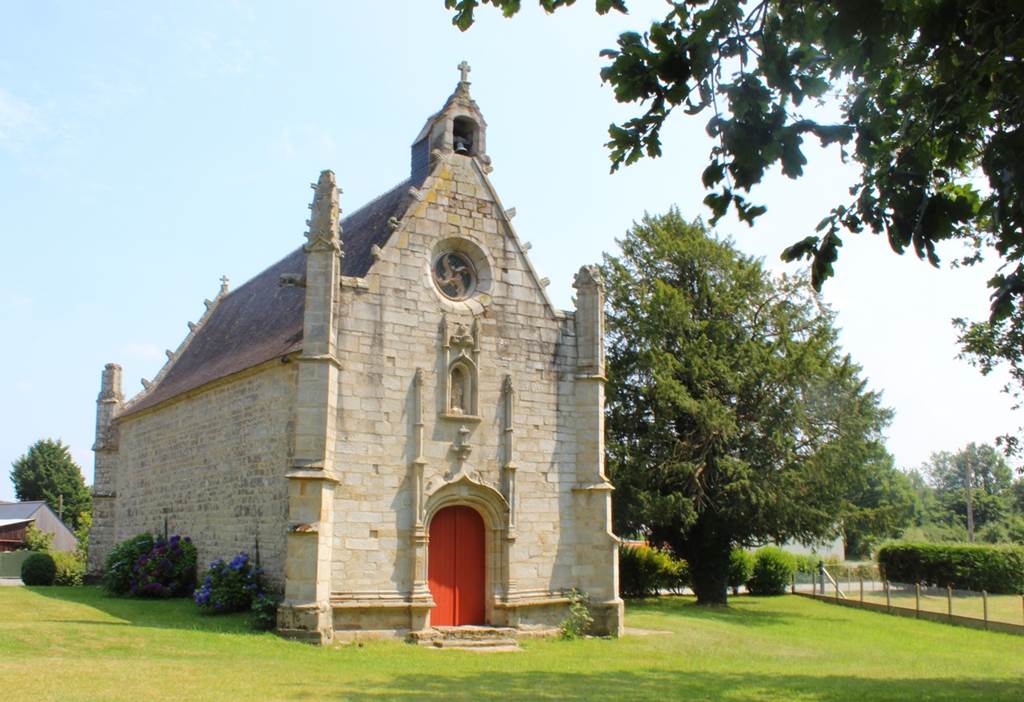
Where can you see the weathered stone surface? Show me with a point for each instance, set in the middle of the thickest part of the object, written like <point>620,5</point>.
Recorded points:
<point>402,402</point>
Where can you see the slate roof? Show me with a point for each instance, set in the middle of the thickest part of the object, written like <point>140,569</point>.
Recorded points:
<point>261,320</point>
<point>20,510</point>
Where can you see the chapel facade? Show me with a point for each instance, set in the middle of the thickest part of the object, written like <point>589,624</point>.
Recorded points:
<point>394,416</point>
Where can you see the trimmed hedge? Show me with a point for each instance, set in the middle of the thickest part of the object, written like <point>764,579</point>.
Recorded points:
<point>995,569</point>
<point>38,569</point>
<point>644,571</point>
<point>773,571</point>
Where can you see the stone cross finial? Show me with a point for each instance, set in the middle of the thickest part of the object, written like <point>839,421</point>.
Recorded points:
<point>464,70</point>
<point>224,280</point>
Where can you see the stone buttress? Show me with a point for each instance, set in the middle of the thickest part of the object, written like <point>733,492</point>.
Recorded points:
<point>306,613</point>
<point>104,493</point>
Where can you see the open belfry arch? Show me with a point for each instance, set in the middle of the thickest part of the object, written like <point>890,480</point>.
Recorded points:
<point>401,379</point>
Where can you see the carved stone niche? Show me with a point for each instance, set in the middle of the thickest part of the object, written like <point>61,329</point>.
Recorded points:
<point>461,349</point>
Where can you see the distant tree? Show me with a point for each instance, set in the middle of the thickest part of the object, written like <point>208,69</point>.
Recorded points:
<point>880,504</point>
<point>992,482</point>
<point>733,417</point>
<point>47,472</point>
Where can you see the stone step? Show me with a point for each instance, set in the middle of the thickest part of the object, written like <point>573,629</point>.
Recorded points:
<point>453,636</point>
<point>470,633</point>
<point>477,644</point>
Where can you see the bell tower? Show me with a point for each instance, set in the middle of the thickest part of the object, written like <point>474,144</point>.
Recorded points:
<point>458,128</point>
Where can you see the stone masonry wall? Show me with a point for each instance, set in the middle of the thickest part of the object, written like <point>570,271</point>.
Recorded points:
<point>391,327</point>
<point>213,464</point>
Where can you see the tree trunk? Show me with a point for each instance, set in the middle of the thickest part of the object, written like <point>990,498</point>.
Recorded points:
<point>709,571</point>
<point>707,553</point>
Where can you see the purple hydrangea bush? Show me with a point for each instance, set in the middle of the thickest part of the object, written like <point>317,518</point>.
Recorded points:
<point>168,569</point>
<point>231,586</point>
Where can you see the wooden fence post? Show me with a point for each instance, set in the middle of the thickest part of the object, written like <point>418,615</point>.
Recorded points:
<point>984,603</point>
<point>888,598</point>
<point>949,600</point>
<point>792,585</point>
<point>917,599</point>
<point>862,588</point>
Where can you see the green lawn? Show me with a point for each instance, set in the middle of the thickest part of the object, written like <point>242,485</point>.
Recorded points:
<point>75,644</point>
<point>1001,608</point>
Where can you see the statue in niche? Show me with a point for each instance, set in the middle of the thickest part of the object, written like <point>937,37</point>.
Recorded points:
<point>459,391</point>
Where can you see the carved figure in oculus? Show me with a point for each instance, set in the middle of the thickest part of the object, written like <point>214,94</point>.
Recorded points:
<point>454,275</point>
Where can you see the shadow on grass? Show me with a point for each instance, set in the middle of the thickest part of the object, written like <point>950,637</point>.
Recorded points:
<point>658,685</point>
<point>174,613</point>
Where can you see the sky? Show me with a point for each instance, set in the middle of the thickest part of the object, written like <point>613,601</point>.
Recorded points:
<point>147,149</point>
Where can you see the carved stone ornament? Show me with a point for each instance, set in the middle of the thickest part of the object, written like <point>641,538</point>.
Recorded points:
<point>324,227</point>
<point>588,276</point>
<point>454,275</point>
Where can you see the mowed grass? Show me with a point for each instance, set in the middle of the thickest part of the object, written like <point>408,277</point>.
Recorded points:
<point>76,644</point>
<point>1001,608</point>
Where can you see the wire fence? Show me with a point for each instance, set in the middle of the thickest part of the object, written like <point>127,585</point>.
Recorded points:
<point>862,585</point>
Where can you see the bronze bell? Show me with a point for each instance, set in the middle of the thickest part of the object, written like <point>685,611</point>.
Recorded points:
<point>462,145</point>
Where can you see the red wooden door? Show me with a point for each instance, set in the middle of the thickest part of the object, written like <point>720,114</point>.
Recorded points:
<point>456,567</point>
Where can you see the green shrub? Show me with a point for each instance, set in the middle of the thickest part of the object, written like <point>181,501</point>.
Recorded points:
<point>70,569</point>
<point>644,571</point>
<point>677,576</point>
<point>741,565</point>
<point>995,569</point>
<point>772,573</point>
<point>580,618</point>
<point>37,540</point>
<point>167,570</point>
<point>38,569</point>
<point>117,575</point>
<point>264,611</point>
<point>806,564</point>
<point>229,587</point>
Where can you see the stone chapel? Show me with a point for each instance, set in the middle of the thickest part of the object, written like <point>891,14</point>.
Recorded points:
<point>393,414</point>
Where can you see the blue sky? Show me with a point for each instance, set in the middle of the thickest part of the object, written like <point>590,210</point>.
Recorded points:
<point>147,149</point>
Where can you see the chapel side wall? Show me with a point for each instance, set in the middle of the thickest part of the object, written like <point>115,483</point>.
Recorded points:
<point>392,326</point>
<point>213,464</point>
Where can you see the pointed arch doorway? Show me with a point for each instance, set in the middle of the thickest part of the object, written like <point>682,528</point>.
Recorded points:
<point>456,567</point>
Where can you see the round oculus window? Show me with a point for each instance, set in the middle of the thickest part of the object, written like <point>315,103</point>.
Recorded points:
<point>454,275</point>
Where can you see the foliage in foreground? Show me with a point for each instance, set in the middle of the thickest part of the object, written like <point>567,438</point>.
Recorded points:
<point>733,416</point>
<point>994,569</point>
<point>930,107</point>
